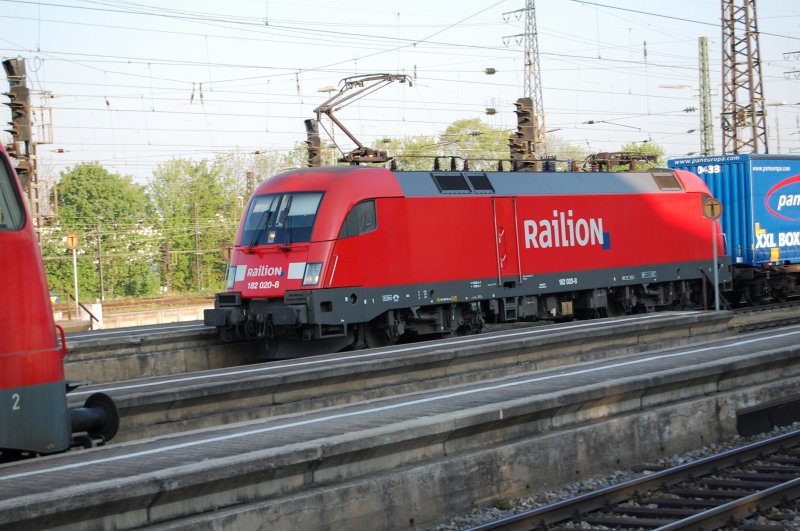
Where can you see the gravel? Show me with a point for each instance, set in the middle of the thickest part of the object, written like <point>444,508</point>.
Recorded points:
<point>503,508</point>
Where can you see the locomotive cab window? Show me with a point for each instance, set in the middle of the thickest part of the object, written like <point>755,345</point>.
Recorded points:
<point>12,212</point>
<point>281,218</point>
<point>361,219</point>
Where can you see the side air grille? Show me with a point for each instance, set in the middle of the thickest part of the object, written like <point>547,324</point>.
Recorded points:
<point>451,183</point>
<point>463,183</point>
<point>480,183</point>
<point>667,182</point>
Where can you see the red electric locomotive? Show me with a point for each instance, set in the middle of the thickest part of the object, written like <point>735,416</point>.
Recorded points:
<point>339,257</point>
<point>34,418</point>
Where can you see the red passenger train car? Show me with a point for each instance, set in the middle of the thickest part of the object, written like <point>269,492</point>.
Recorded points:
<point>333,258</point>
<point>34,418</point>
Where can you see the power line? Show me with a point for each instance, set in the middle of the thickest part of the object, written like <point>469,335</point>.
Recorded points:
<point>258,24</point>
<point>681,19</point>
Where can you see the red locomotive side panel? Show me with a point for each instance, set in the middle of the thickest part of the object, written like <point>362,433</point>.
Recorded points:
<point>379,256</point>
<point>33,410</point>
<point>452,238</point>
<point>26,318</point>
<point>420,240</point>
<point>424,240</point>
<point>611,232</point>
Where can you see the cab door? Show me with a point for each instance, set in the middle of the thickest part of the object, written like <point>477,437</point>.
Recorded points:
<point>506,240</point>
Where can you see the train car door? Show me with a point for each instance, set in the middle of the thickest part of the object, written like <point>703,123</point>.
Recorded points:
<point>506,240</point>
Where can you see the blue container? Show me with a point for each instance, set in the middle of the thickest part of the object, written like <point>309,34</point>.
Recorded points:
<point>760,197</point>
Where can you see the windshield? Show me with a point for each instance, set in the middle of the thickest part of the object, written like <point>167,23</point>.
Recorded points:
<point>12,215</point>
<point>281,218</point>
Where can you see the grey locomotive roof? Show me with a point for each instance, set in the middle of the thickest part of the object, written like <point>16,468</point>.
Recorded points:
<point>420,183</point>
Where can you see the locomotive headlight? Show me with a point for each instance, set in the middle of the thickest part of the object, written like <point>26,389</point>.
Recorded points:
<point>311,274</point>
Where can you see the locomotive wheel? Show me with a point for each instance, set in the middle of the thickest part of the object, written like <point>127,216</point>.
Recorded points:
<point>290,348</point>
<point>374,337</point>
<point>8,456</point>
<point>268,348</point>
<point>734,297</point>
<point>753,294</point>
<point>780,294</point>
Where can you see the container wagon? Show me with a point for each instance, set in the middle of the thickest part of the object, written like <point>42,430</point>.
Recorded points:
<point>760,195</point>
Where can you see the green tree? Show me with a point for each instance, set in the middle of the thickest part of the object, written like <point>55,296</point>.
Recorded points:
<point>472,139</point>
<point>58,264</point>
<point>647,148</point>
<point>297,157</point>
<point>411,152</point>
<point>112,217</point>
<point>233,169</point>
<point>469,139</point>
<point>563,150</point>
<point>197,210</point>
<point>477,141</point>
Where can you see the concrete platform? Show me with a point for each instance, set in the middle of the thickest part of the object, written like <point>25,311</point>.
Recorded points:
<point>129,353</point>
<point>163,405</point>
<point>408,461</point>
<point>111,320</point>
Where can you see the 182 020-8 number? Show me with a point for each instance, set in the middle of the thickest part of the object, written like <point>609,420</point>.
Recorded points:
<point>264,284</point>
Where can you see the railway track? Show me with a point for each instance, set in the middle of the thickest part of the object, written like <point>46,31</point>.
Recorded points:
<point>719,491</point>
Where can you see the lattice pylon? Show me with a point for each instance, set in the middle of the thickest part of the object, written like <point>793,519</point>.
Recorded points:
<point>744,127</point>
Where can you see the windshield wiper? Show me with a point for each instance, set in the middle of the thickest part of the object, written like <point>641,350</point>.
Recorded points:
<point>261,227</point>
<point>286,225</point>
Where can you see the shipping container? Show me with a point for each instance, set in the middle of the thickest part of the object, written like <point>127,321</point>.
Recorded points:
<point>760,196</point>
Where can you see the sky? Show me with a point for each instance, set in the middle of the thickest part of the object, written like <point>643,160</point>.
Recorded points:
<point>132,84</point>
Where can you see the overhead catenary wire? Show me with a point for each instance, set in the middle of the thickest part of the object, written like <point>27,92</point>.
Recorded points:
<point>166,80</point>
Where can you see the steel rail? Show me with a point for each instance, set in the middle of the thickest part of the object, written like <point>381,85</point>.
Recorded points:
<point>566,510</point>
